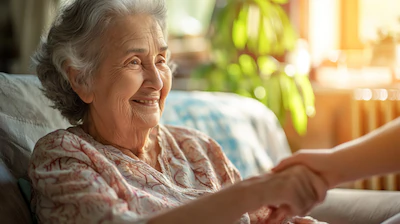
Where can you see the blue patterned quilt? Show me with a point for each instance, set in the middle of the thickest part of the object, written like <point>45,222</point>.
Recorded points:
<point>248,132</point>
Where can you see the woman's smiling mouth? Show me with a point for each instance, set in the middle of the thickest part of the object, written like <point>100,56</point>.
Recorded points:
<point>147,102</point>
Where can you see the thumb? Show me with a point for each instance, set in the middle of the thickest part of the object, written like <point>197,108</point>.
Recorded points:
<point>286,163</point>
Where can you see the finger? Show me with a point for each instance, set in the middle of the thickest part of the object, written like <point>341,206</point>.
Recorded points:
<point>289,190</point>
<point>304,220</point>
<point>286,163</point>
<point>311,190</point>
<point>319,185</point>
<point>284,210</point>
<point>302,197</point>
<point>321,189</point>
<point>278,214</point>
<point>309,194</point>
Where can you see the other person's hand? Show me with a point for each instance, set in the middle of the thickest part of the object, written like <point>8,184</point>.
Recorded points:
<point>321,161</point>
<point>293,191</point>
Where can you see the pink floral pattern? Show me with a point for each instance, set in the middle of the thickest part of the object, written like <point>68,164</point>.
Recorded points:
<point>78,180</point>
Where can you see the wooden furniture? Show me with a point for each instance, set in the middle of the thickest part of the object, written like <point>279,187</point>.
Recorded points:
<point>331,124</point>
<point>372,108</point>
<point>346,114</point>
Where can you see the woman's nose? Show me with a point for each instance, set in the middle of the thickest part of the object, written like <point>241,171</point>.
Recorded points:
<point>153,79</point>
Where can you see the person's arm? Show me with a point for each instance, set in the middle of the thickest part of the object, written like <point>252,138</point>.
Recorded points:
<point>295,189</point>
<point>375,153</point>
<point>225,206</point>
<point>70,187</point>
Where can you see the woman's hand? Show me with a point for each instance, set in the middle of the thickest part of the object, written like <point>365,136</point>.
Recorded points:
<point>305,220</point>
<point>321,161</point>
<point>293,191</point>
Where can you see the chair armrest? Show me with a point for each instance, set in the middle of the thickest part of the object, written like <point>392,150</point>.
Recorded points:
<point>13,208</point>
<point>350,206</point>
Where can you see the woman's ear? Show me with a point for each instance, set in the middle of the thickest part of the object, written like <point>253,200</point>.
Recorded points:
<point>79,86</point>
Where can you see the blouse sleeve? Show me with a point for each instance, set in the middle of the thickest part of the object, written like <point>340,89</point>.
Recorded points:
<point>222,165</point>
<point>69,189</point>
<point>226,172</point>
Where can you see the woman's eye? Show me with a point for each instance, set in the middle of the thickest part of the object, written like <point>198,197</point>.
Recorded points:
<point>135,61</point>
<point>161,60</point>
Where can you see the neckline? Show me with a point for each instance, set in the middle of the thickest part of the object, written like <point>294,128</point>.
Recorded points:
<point>116,152</point>
<point>165,176</point>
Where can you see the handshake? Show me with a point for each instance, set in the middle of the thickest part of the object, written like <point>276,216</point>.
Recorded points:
<point>290,192</point>
<point>298,184</point>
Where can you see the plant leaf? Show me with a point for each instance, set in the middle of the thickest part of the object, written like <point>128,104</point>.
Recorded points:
<point>253,27</point>
<point>286,88</point>
<point>245,36</point>
<point>307,94</point>
<point>287,36</point>
<point>267,65</point>
<point>223,26</point>
<point>264,45</point>
<point>234,71</point>
<point>298,113</point>
<point>274,95</point>
<point>279,1</point>
<point>239,29</point>
<point>247,64</point>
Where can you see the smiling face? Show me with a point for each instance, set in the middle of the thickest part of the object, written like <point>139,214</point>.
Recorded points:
<point>132,81</point>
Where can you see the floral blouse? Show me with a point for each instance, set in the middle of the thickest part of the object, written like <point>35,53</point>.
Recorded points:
<point>79,180</point>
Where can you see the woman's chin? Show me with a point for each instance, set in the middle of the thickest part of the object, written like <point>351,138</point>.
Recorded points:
<point>149,121</point>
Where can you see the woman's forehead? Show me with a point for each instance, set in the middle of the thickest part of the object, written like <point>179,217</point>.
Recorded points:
<point>142,46</point>
<point>135,33</point>
<point>141,29</point>
<point>137,26</point>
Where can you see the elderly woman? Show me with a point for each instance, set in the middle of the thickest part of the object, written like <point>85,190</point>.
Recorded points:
<point>104,64</point>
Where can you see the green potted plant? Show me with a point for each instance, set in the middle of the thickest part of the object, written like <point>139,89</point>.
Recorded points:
<point>249,39</point>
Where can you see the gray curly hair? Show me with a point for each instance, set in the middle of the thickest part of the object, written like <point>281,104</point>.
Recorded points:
<point>75,36</point>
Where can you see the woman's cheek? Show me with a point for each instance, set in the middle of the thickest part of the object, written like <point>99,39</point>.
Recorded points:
<point>167,79</point>
<point>162,102</point>
<point>124,108</point>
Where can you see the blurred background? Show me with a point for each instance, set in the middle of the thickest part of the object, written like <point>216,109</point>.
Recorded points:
<point>329,69</point>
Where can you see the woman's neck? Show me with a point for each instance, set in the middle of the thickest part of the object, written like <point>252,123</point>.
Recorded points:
<point>138,142</point>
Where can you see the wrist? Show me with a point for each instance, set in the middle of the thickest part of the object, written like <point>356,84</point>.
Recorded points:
<point>224,206</point>
<point>340,169</point>
<point>252,196</point>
